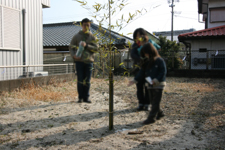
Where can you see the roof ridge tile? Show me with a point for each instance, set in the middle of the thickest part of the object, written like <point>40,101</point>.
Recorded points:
<point>210,32</point>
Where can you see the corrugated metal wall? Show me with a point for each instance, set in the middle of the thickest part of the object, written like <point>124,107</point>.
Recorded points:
<point>46,2</point>
<point>33,36</point>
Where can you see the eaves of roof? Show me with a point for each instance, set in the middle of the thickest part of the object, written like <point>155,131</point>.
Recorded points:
<point>60,34</point>
<point>211,33</point>
<point>152,35</point>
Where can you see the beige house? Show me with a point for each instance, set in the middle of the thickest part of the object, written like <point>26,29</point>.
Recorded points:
<point>213,12</point>
<point>205,49</point>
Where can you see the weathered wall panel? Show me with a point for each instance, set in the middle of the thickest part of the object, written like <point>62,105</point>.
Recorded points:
<point>213,46</point>
<point>33,37</point>
<point>215,4</point>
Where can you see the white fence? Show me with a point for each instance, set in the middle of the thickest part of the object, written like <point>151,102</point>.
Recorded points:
<point>25,71</point>
<point>56,66</point>
<point>208,60</point>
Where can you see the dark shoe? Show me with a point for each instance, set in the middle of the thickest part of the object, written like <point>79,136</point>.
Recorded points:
<point>140,108</point>
<point>160,115</point>
<point>80,101</point>
<point>146,108</point>
<point>87,101</point>
<point>149,121</point>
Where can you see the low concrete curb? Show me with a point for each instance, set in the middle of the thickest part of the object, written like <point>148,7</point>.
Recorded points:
<point>11,85</point>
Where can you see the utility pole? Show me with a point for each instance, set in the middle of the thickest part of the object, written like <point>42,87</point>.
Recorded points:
<point>172,20</point>
<point>172,13</point>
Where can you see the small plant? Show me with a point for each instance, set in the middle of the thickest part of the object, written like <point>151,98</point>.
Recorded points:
<point>2,101</point>
<point>50,125</point>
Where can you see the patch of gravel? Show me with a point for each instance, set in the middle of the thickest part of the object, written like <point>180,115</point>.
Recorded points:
<point>194,109</point>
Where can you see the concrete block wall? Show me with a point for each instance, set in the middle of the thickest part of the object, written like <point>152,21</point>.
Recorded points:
<point>11,85</point>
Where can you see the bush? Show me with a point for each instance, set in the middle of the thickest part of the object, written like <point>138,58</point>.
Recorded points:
<point>170,52</point>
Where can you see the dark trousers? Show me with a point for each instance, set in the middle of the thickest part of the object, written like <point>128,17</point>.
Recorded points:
<point>142,93</point>
<point>84,71</point>
<point>156,96</point>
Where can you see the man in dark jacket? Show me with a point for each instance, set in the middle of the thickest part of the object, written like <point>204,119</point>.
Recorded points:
<point>84,64</point>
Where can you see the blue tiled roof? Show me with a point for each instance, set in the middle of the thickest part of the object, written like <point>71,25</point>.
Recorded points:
<point>60,34</point>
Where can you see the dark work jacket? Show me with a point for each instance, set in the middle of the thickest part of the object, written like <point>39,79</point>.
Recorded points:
<point>157,72</point>
<point>134,54</point>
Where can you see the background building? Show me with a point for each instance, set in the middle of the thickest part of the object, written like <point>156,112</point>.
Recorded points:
<point>206,48</point>
<point>167,34</point>
<point>57,37</point>
<point>21,38</point>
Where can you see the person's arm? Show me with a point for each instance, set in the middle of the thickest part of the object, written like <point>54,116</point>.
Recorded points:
<point>162,70</point>
<point>134,53</point>
<point>73,47</point>
<point>92,46</point>
<point>140,75</point>
<point>155,45</point>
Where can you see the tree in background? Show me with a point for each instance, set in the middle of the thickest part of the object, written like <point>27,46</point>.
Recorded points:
<point>170,52</point>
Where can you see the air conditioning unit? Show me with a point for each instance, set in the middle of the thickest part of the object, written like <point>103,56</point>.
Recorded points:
<point>38,73</point>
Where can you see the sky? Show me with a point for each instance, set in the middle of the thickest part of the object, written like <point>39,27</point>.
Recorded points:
<point>156,19</point>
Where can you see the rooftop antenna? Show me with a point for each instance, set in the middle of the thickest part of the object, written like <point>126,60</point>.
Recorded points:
<point>171,2</point>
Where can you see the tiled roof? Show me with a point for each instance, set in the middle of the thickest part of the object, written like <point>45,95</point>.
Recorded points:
<point>215,32</point>
<point>60,34</point>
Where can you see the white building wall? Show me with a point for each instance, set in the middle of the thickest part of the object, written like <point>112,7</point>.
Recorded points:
<point>33,37</point>
<point>214,4</point>
<point>196,44</point>
<point>214,46</point>
<point>217,44</point>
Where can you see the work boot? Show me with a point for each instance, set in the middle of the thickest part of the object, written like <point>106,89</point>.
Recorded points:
<point>140,107</point>
<point>149,121</point>
<point>146,108</point>
<point>160,115</point>
<point>87,100</point>
<point>80,100</point>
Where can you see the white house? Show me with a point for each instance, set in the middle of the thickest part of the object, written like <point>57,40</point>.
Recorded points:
<point>206,48</point>
<point>213,12</point>
<point>21,35</point>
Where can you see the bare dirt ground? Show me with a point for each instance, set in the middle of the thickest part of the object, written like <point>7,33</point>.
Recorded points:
<point>48,117</point>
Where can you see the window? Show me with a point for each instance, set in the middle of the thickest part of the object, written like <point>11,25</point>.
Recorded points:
<point>202,50</point>
<point>218,62</point>
<point>217,14</point>
<point>10,28</point>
